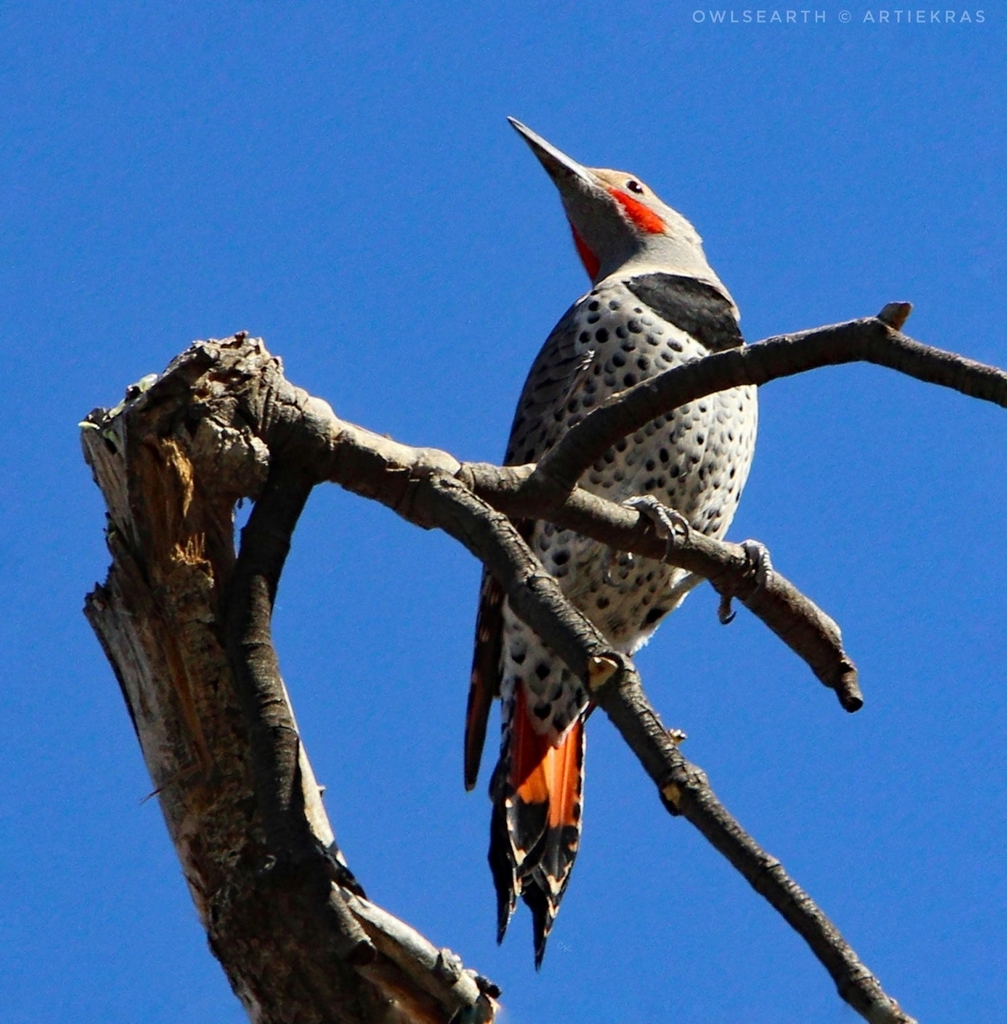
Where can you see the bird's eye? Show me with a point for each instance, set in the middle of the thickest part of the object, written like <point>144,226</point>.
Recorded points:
<point>634,186</point>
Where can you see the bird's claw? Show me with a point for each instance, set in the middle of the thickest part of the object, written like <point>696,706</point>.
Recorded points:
<point>666,521</point>
<point>758,566</point>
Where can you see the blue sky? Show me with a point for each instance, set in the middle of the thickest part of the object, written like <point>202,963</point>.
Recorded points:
<point>340,179</point>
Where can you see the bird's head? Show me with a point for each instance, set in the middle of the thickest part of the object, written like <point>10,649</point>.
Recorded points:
<point>617,220</point>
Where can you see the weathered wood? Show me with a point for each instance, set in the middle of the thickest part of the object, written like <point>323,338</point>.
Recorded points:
<point>171,463</point>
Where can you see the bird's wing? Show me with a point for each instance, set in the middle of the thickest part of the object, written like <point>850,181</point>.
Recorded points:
<point>561,366</point>
<point>484,684</point>
<point>556,376</point>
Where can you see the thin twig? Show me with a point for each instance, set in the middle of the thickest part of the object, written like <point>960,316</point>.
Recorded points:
<point>685,790</point>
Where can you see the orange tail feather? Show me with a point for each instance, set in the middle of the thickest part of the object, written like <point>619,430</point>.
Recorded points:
<point>538,791</point>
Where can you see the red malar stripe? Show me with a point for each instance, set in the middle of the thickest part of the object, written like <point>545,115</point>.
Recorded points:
<point>640,215</point>
<point>588,258</point>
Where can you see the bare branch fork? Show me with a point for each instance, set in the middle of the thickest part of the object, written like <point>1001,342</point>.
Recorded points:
<point>187,629</point>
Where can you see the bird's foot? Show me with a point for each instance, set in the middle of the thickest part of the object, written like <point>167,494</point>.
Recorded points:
<point>669,524</point>
<point>758,566</point>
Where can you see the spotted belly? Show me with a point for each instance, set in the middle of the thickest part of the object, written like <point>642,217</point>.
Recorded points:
<point>695,460</point>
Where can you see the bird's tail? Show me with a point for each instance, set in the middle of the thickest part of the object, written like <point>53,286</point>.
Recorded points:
<point>537,793</point>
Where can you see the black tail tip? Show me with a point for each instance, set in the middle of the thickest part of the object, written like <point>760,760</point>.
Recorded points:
<point>505,911</point>
<point>541,920</point>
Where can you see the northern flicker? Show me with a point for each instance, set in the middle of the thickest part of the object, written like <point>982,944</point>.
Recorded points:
<point>655,303</point>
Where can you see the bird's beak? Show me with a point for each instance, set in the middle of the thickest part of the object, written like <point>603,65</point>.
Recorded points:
<point>561,168</point>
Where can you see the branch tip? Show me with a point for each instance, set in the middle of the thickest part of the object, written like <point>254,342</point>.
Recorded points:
<point>895,314</point>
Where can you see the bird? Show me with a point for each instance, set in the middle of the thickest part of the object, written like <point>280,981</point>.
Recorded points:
<point>654,303</point>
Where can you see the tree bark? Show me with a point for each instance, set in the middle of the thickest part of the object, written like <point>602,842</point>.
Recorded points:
<point>298,940</point>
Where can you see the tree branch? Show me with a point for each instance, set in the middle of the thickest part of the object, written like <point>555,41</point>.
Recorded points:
<point>793,617</point>
<point>870,340</point>
<point>282,910</point>
<point>615,686</point>
<point>295,853</point>
<point>374,466</point>
<point>685,790</point>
